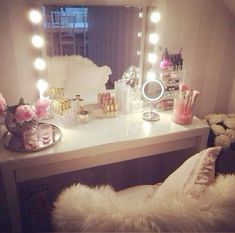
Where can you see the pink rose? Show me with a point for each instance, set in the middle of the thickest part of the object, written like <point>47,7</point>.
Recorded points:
<point>3,105</point>
<point>41,107</point>
<point>24,113</point>
<point>40,113</point>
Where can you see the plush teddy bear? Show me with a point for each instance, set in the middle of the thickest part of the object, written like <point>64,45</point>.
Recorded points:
<point>222,131</point>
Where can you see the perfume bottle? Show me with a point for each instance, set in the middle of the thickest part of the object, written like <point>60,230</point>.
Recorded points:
<point>125,98</point>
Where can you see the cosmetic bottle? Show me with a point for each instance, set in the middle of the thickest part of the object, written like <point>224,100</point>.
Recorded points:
<point>125,98</point>
<point>77,97</point>
<point>81,105</point>
<point>51,103</point>
<point>136,103</point>
<point>74,105</point>
<point>51,108</point>
<point>117,89</point>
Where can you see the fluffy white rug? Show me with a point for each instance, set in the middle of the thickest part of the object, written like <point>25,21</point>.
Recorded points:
<point>81,209</point>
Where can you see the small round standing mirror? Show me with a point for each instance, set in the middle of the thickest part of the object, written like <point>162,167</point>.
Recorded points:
<point>152,91</point>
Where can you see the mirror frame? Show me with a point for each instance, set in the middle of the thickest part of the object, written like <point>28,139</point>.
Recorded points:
<point>144,4</point>
<point>153,81</point>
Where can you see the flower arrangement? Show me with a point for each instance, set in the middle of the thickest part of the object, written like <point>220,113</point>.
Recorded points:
<point>222,130</point>
<point>19,117</point>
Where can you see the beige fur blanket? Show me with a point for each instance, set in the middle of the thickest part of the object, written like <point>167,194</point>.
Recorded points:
<point>81,209</point>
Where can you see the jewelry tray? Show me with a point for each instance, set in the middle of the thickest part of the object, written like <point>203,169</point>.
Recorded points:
<point>16,143</point>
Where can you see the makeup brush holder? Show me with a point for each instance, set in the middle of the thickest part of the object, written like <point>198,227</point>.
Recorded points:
<point>182,113</point>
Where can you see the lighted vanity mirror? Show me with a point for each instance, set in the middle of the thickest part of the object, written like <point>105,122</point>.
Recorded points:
<point>106,35</point>
<point>152,91</point>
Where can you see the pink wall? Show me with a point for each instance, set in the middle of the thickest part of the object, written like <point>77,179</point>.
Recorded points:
<point>17,76</point>
<point>206,30</point>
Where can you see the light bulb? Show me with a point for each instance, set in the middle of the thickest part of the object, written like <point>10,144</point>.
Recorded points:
<point>35,16</point>
<point>151,75</point>
<point>37,41</point>
<point>152,58</point>
<point>155,17</point>
<point>138,53</point>
<point>153,38</point>
<point>42,86</point>
<point>139,34</point>
<point>141,14</point>
<point>39,64</point>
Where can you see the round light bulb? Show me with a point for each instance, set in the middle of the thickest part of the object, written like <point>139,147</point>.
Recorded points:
<point>138,53</point>
<point>155,17</point>
<point>152,58</point>
<point>153,38</point>
<point>35,16</point>
<point>151,75</point>
<point>139,34</point>
<point>39,64</point>
<point>37,41</point>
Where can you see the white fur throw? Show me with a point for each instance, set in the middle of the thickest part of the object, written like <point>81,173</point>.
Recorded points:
<point>81,209</point>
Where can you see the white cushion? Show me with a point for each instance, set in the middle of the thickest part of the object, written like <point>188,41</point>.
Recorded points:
<point>139,192</point>
<point>194,175</point>
<point>76,74</point>
<point>85,77</point>
<point>57,68</point>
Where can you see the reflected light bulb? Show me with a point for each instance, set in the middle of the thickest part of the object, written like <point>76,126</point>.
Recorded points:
<point>39,64</point>
<point>152,58</point>
<point>35,16</point>
<point>138,53</point>
<point>139,34</point>
<point>37,41</point>
<point>153,38</point>
<point>141,14</point>
<point>155,17</point>
<point>42,86</point>
<point>151,75</point>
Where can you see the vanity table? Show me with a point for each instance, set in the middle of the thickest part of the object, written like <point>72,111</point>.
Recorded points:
<point>99,142</point>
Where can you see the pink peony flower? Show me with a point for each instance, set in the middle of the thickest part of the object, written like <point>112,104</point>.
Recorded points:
<point>41,107</point>
<point>3,105</point>
<point>24,113</point>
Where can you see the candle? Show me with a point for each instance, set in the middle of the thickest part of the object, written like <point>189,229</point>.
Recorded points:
<point>42,86</point>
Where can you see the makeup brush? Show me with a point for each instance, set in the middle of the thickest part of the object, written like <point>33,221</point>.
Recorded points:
<point>188,101</point>
<point>194,98</point>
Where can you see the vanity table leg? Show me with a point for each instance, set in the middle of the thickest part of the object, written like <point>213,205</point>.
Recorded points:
<point>12,198</point>
<point>202,141</point>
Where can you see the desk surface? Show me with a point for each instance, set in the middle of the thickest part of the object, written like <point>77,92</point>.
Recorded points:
<point>111,134</point>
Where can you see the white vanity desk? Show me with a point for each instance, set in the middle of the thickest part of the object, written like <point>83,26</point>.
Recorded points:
<point>99,142</point>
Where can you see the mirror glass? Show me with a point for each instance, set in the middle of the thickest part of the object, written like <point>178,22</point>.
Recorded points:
<point>152,91</point>
<point>107,35</point>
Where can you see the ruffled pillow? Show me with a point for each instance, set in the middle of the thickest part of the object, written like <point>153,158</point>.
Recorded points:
<point>194,175</point>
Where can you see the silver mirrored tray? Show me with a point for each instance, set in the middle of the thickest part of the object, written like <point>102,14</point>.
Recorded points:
<point>16,143</point>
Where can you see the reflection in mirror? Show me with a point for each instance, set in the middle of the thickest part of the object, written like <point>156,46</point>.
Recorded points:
<point>106,35</point>
<point>152,91</point>
<point>131,77</point>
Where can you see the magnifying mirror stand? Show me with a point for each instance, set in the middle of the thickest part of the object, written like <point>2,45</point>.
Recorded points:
<point>151,115</point>
<point>152,91</point>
